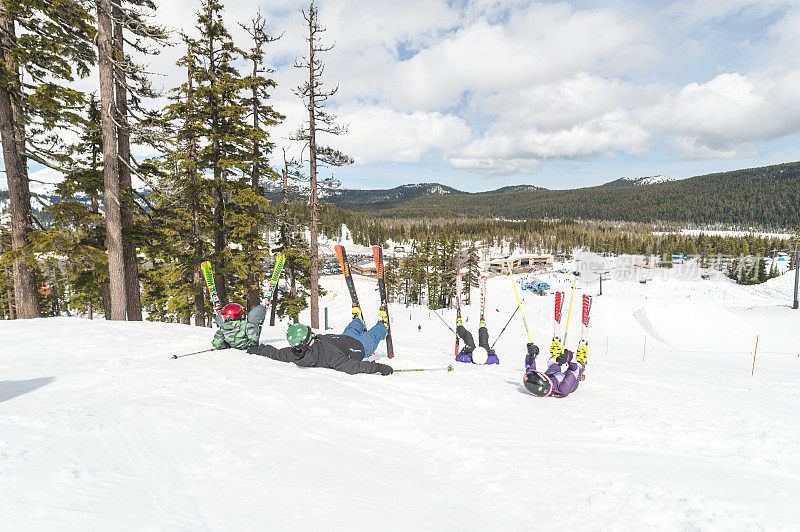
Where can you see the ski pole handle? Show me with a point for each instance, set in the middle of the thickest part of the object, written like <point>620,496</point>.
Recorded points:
<point>448,368</point>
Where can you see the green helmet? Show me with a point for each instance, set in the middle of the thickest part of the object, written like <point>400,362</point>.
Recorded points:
<point>299,335</point>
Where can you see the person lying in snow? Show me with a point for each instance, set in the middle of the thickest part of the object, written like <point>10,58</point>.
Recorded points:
<point>234,330</point>
<point>484,353</point>
<point>554,381</point>
<point>342,352</point>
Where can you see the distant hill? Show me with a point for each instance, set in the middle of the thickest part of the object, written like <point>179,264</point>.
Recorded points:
<point>767,197</point>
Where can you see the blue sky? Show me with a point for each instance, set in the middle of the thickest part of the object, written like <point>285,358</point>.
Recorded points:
<point>480,94</point>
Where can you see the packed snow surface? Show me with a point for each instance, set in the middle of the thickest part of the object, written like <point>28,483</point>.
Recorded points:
<point>100,429</point>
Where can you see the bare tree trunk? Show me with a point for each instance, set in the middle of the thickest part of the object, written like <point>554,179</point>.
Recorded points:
<point>273,307</point>
<point>9,295</point>
<point>106,301</point>
<point>131,263</point>
<point>287,227</point>
<point>287,230</point>
<point>116,259</point>
<point>12,131</point>
<point>199,281</point>
<point>312,148</point>
<point>219,229</point>
<point>90,310</point>
<point>253,288</point>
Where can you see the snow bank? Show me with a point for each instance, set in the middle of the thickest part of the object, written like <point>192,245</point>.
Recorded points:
<point>101,430</point>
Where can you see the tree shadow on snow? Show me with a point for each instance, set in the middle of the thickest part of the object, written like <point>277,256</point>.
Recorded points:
<point>11,389</point>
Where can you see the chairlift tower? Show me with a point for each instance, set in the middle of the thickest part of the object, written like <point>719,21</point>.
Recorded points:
<point>794,247</point>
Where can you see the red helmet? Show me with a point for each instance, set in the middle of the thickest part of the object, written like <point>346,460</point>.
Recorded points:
<point>232,311</point>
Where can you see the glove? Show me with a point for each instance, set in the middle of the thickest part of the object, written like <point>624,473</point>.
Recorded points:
<point>530,358</point>
<point>253,349</point>
<point>564,357</point>
<point>464,357</point>
<point>492,358</point>
<point>384,369</point>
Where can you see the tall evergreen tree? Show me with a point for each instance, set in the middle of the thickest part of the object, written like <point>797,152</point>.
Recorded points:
<point>218,91</point>
<point>131,26</point>
<point>263,116</point>
<point>471,264</point>
<point>111,196</point>
<point>50,43</point>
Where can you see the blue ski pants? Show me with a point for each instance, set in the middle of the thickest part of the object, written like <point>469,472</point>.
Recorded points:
<point>369,339</point>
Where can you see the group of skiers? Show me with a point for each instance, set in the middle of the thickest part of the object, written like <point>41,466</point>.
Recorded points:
<point>347,351</point>
<point>342,352</point>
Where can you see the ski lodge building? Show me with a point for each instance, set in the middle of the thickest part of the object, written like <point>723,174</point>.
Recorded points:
<point>519,264</point>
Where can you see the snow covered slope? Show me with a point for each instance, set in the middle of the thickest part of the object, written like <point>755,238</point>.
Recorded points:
<point>652,180</point>
<point>101,430</point>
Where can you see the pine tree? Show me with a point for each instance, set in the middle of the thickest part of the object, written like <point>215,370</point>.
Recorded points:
<point>131,26</point>
<point>319,121</point>
<point>473,272</point>
<point>50,43</point>
<point>222,113</point>
<point>187,208</point>
<point>263,116</point>
<point>77,229</point>
<point>293,245</point>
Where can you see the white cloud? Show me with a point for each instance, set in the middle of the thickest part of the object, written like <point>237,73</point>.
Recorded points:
<point>540,44</point>
<point>379,134</point>
<point>576,118</point>
<point>729,111</point>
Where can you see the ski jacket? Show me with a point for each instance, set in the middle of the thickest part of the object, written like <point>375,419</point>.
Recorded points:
<point>239,334</point>
<point>335,351</point>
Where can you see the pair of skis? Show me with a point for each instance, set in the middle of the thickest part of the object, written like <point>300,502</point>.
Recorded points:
<point>380,270</point>
<point>558,345</point>
<point>208,274</point>
<point>459,289</point>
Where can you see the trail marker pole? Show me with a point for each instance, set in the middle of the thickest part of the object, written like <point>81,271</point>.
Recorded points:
<point>755,352</point>
<point>794,247</point>
<point>644,349</point>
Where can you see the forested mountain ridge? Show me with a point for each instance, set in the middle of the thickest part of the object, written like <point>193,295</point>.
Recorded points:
<point>767,197</point>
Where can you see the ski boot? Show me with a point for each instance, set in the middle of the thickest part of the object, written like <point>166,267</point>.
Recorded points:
<point>482,324</point>
<point>384,317</point>
<point>582,354</point>
<point>556,349</point>
<point>459,322</point>
<point>357,313</point>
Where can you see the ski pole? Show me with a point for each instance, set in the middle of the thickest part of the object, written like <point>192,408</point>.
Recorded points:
<point>445,323</point>
<point>569,312</point>
<point>448,368</point>
<point>522,312</point>
<point>506,325</point>
<point>196,353</point>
